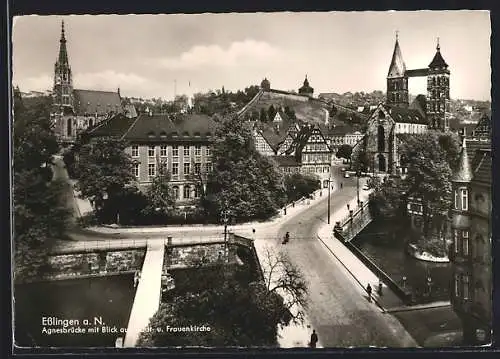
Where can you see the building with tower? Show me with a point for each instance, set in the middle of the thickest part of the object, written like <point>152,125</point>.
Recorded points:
<point>74,110</point>
<point>306,89</point>
<point>388,122</point>
<point>470,252</point>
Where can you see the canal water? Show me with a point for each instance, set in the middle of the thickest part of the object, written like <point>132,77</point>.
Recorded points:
<point>427,281</point>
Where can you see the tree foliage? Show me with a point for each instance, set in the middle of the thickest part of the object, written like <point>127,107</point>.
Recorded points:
<point>387,201</point>
<point>359,159</point>
<point>238,312</point>
<point>243,181</point>
<point>160,195</point>
<point>429,158</point>
<point>105,170</point>
<point>344,151</point>
<point>299,185</point>
<point>39,214</point>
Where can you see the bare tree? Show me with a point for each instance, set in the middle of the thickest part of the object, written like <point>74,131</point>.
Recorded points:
<point>283,277</point>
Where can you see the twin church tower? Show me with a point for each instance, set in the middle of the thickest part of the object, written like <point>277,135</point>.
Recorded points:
<point>438,87</point>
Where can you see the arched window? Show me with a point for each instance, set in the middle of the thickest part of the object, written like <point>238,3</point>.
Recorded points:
<point>187,192</point>
<point>381,138</point>
<point>381,114</point>
<point>176,192</point>
<point>196,192</point>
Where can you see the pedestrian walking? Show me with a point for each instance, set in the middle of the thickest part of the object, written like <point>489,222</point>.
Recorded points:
<point>369,291</point>
<point>314,339</point>
<point>341,184</point>
<point>137,276</point>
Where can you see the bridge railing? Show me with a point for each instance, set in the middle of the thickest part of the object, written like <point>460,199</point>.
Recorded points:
<point>119,244</point>
<point>355,221</point>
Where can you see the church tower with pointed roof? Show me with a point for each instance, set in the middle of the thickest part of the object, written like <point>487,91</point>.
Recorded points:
<point>397,80</point>
<point>63,79</point>
<point>438,92</point>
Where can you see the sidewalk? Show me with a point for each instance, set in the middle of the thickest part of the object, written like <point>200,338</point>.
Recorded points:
<point>293,335</point>
<point>354,266</point>
<point>279,218</point>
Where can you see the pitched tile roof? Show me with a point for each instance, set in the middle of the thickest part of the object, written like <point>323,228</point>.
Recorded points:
<point>187,127</point>
<point>397,67</point>
<point>157,128</point>
<point>406,115</point>
<point>100,102</point>
<point>274,133</point>
<point>115,126</point>
<point>482,171</point>
<point>438,60</point>
<point>464,172</point>
<point>475,145</point>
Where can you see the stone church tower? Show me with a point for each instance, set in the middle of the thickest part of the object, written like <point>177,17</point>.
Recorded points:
<point>397,79</point>
<point>63,79</point>
<point>438,92</point>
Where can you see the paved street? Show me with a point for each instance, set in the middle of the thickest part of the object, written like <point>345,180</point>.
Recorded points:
<point>338,308</point>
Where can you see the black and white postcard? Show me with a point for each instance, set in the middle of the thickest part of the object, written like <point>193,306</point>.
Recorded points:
<point>280,180</point>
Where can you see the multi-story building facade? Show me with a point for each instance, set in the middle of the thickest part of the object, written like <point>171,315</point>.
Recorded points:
<point>182,145</point>
<point>471,293</point>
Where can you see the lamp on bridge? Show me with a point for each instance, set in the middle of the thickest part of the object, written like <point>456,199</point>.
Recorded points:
<point>225,218</point>
<point>358,174</point>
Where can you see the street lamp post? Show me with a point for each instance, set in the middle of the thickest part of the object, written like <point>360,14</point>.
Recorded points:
<point>225,218</point>
<point>329,200</point>
<point>358,173</point>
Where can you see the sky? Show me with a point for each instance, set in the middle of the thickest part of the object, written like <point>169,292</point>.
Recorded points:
<point>159,55</point>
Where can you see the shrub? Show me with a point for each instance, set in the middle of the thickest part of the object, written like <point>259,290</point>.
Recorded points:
<point>434,246</point>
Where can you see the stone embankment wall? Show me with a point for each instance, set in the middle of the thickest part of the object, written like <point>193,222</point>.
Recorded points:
<point>65,266</point>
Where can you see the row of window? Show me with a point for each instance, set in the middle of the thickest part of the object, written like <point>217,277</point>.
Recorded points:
<point>188,192</point>
<point>175,151</point>
<point>440,94</point>
<point>175,169</point>
<point>324,169</point>
<point>438,107</point>
<point>438,81</point>
<point>316,147</point>
<point>410,127</point>
<point>309,158</point>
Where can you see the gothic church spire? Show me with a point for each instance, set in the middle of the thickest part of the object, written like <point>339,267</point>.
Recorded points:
<point>63,52</point>
<point>398,67</point>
